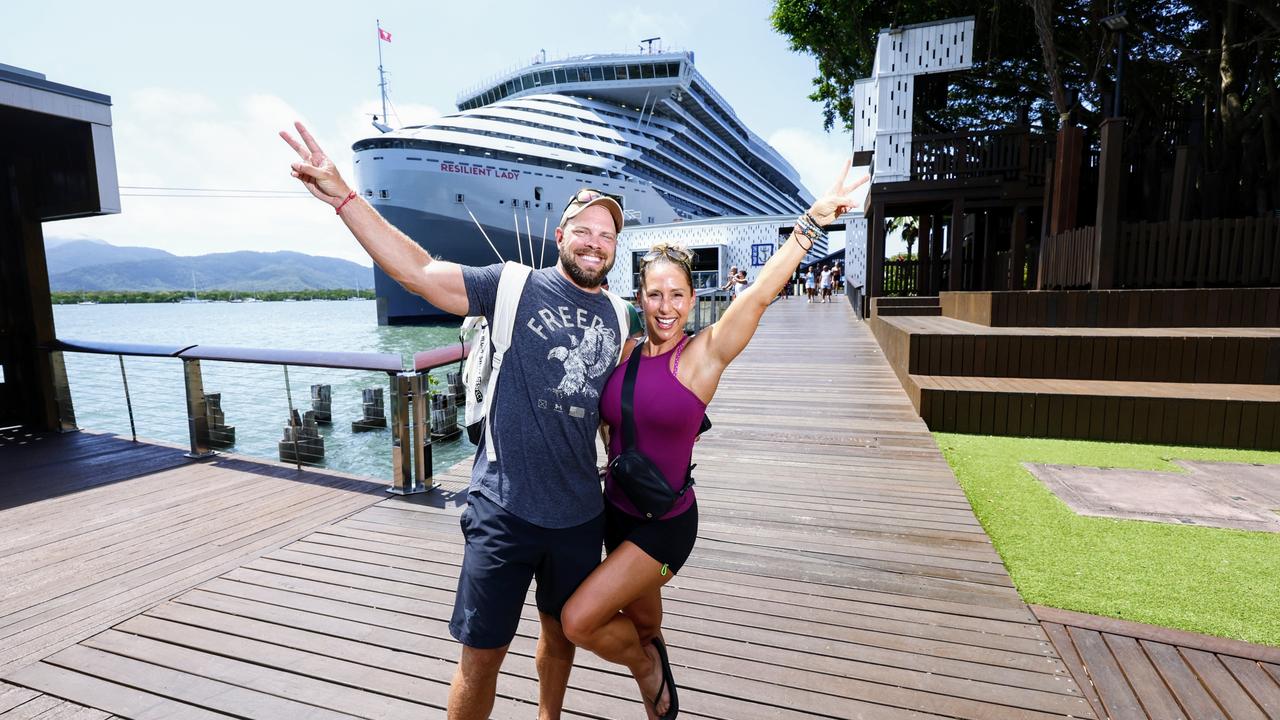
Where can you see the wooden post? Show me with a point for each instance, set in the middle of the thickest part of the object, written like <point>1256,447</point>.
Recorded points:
<point>1110,175</point>
<point>1179,185</point>
<point>1018,248</point>
<point>875,253</point>
<point>1066,179</point>
<point>924,286</point>
<point>956,282</point>
<point>935,262</point>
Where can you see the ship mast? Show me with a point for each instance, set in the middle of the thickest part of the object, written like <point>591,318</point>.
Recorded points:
<point>382,85</point>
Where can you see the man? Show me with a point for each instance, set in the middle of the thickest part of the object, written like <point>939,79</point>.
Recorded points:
<point>824,282</point>
<point>537,511</point>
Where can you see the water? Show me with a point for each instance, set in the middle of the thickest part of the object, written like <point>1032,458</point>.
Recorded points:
<point>254,397</point>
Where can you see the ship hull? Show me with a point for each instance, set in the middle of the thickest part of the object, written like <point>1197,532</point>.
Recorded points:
<point>454,240</point>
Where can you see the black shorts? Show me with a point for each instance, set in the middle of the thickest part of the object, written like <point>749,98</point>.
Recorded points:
<point>503,554</point>
<point>668,541</point>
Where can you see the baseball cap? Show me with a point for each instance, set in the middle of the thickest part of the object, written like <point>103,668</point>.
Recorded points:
<point>587,197</point>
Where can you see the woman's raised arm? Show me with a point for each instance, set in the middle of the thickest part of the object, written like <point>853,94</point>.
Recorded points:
<point>730,335</point>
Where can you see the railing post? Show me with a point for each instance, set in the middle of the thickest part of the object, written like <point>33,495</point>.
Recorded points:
<point>197,416</point>
<point>421,389</point>
<point>62,393</point>
<point>402,479</point>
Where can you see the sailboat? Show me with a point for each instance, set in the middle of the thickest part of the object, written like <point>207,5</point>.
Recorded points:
<point>357,295</point>
<point>195,296</point>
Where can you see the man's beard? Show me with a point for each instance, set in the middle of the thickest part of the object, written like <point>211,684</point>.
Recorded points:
<point>583,278</point>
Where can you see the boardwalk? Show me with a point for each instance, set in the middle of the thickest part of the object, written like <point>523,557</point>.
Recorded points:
<point>839,574</point>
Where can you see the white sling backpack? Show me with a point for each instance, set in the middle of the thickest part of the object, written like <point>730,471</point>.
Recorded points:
<point>489,344</point>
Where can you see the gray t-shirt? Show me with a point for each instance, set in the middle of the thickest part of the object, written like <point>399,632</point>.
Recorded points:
<point>547,407</point>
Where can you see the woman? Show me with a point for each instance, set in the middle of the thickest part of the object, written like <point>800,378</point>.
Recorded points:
<point>677,378</point>
<point>810,284</point>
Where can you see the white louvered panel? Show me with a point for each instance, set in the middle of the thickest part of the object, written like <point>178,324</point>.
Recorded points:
<point>855,252</point>
<point>883,102</point>
<point>864,122</point>
<point>892,157</point>
<point>895,94</point>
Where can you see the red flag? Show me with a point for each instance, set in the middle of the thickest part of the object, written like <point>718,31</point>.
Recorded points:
<point>384,35</point>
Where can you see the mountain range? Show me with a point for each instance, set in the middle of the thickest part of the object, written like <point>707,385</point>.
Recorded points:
<point>86,265</point>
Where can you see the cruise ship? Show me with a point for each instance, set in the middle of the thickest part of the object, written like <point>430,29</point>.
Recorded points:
<point>491,180</point>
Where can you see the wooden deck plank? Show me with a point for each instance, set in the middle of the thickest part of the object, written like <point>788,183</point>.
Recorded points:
<point>1261,687</point>
<point>1182,681</point>
<point>1113,687</point>
<point>1222,685</point>
<point>120,699</point>
<point>1156,699</point>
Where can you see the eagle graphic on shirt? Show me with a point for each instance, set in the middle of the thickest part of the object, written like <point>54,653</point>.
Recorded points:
<point>592,357</point>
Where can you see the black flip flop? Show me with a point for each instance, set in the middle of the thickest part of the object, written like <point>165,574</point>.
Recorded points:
<point>669,682</point>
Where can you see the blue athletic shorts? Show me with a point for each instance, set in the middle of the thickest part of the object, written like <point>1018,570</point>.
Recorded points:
<point>503,554</point>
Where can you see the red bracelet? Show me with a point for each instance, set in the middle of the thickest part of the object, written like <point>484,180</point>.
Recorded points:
<point>350,196</point>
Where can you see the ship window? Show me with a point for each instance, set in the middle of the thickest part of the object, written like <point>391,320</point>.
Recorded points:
<point>560,78</point>
<point>547,77</point>
<point>459,198</point>
<point>621,71</point>
<point>673,69</point>
<point>660,70</point>
<point>609,73</point>
<point>647,71</point>
<point>502,202</point>
<point>634,71</point>
<point>384,194</point>
<point>597,73</point>
<point>377,157</point>
<point>537,192</point>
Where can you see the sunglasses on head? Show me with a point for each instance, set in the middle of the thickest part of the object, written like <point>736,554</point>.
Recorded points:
<point>582,197</point>
<point>679,255</point>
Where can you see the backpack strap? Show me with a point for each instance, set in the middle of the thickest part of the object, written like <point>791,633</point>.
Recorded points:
<point>622,309</point>
<point>510,287</point>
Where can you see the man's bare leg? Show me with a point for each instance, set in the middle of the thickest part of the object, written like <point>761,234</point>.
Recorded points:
<point>554,661</point>
<point>475,683</point>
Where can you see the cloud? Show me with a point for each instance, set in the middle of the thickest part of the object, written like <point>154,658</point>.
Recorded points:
<point>178,139</point>
<point>817,156</point>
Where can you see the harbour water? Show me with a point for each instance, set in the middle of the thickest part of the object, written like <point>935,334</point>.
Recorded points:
<point>255,398</point>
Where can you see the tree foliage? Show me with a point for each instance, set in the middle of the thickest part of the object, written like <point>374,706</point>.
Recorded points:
<point>1199,72</point>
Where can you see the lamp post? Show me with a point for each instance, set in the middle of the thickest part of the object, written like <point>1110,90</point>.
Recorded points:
<point>1118,24</point>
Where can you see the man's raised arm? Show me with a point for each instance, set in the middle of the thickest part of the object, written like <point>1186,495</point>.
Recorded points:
<point>439,282</point>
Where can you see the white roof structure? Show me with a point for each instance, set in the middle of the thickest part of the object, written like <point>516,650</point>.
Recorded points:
<point>883,101</point>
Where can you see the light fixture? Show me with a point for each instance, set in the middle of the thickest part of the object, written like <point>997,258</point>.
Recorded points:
<point>1115,23</point>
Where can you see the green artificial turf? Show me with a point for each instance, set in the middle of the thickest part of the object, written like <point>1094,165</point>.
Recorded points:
<point>1208,580</point>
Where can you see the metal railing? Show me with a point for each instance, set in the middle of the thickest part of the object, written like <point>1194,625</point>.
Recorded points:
<point>708,306</point>
<point>423,405</point>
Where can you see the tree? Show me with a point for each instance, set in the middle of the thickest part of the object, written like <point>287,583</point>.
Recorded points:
<point>1220,58</point>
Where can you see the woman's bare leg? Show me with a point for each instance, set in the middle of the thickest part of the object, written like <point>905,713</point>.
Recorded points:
<point>592,617</point>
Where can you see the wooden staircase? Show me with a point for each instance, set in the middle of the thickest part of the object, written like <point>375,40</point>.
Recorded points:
<point>1192,384</point>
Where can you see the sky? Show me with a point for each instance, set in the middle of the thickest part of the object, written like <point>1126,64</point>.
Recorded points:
<point>199,92</point>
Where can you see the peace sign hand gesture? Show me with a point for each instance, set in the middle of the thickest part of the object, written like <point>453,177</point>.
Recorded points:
<point>839,199</point>
<point>316,171</point>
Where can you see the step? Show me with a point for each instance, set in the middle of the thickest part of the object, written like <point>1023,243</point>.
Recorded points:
<point>945,346</point>
<point>926,300</point>
<point>908,311</point>
<point>1189,307</point>
<point>1218,415</point>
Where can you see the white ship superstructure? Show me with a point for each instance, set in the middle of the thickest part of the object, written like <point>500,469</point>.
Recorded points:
<point>645,128</point>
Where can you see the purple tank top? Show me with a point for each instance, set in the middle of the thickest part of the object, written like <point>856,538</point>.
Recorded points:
<point>667,417</point>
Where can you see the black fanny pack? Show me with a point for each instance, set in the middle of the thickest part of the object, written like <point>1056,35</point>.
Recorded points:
<point>639,477</point>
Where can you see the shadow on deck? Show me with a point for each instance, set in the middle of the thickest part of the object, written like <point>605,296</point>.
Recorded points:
<point>839,572</point>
